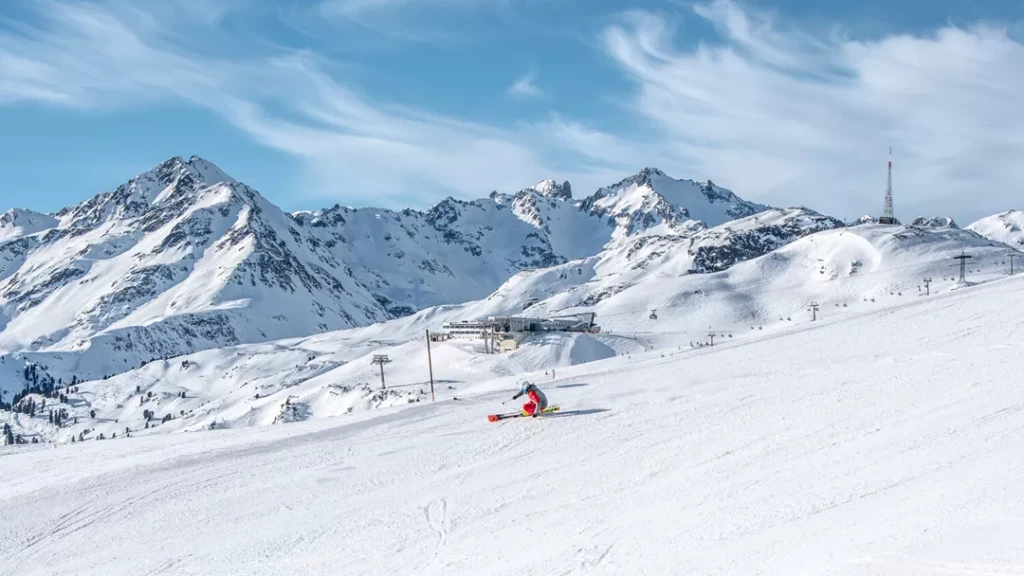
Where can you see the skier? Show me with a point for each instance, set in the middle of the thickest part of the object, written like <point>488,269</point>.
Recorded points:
<point>538,401</point>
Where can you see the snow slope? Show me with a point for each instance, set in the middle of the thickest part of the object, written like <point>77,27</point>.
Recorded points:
<point>18,222</point>
<point>317,377</point>
<point>1006,227</point>
<point>782,264</point>
<point>884,444</point>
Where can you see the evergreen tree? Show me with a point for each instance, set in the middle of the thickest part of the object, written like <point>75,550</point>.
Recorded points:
<point>92,414</point>
<point>51,416</point>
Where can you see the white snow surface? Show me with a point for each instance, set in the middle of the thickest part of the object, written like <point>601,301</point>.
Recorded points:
<point>1006,227</point>
<point>845,270</point>
<point>880,443</point>
<point>18,222</point>
<point>317,377</point>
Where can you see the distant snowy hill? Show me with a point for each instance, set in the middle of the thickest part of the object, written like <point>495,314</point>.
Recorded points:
<point>1007,227</point>
<point>750,272</point>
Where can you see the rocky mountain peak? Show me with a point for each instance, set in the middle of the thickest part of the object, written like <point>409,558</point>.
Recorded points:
<point>553,189</point>
<point>936,222</point>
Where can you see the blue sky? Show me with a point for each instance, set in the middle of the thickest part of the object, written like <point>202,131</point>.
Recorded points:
<point>402,102</point>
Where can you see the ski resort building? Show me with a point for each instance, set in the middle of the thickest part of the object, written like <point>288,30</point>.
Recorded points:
<point>466,329</point>
<point>497,326</point>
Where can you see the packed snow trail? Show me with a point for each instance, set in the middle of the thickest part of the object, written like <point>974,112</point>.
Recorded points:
<point>884,444</point>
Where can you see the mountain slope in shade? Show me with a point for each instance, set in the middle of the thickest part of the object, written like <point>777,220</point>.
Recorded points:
<point>454,252</point>
<point>1006,227</point>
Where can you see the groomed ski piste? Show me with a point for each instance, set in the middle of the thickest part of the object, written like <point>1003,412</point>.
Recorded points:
<point>881,443</point>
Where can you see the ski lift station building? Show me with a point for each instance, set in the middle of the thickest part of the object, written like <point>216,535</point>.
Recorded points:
<point>494,325</point>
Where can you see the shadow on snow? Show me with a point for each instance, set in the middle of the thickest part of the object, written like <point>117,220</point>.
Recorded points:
<point>564,413</point>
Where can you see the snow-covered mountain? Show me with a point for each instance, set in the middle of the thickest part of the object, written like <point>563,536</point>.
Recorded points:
<point>655,203</point>
<point>646,294</point>
<point>18,222</point>
<point>186,262</point>
<point>936,222</point>
<point>1006,227</point>
<point>178,259</point>
<point>185,258</point>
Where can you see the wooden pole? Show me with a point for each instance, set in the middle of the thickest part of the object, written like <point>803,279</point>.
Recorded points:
<point>430,366</point>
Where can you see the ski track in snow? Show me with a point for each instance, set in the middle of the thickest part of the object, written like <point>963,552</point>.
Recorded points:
<point>883,444</point>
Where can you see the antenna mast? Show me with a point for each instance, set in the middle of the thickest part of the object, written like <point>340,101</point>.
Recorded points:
<point>888,217</point>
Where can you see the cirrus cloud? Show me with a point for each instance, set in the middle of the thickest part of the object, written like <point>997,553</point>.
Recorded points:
<point>789,116</point>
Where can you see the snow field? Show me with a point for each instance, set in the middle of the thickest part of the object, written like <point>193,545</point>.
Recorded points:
<point>885,443</point>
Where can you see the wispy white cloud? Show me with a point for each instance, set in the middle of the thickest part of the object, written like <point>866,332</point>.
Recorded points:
<point>356,149</point>
<point>406,20</point>
<point>776,112</point>
<point>526,85</point>
<point>791,116</point>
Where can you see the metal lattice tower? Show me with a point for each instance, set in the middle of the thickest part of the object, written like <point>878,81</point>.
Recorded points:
<point>963,266</point>
<point>888,217</point>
